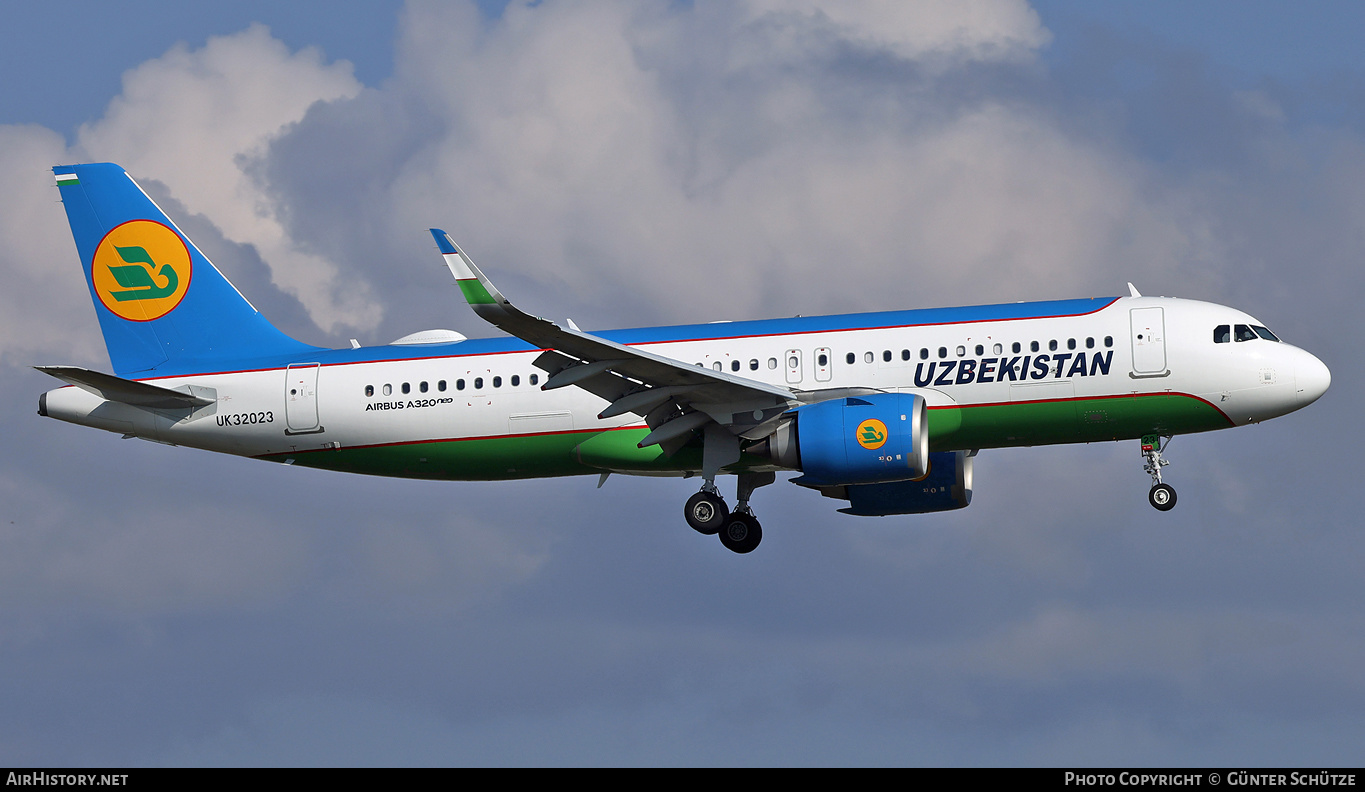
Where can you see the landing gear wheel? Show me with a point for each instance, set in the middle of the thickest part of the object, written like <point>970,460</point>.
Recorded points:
<point>1162,497</point>
<point>741,533</point>
<point>706,513</point>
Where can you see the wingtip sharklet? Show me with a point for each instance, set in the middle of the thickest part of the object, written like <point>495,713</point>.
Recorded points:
<point>474,285</point>
<point>598,357</point>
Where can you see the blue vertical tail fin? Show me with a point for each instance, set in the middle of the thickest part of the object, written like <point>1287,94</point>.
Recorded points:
<point>161,303</point>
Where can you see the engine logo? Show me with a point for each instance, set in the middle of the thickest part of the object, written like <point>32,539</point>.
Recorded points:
<point>871,434</point>
<point>141,270</point>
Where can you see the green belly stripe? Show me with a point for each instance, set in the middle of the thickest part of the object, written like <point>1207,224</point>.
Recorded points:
<point>591,451</point>
<point>479,459</point>
<point>1071,421</point>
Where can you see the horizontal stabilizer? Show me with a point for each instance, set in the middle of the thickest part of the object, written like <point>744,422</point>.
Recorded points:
<point>136,394</point>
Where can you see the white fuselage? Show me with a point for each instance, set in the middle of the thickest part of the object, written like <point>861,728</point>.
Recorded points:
<point>1133,346</point>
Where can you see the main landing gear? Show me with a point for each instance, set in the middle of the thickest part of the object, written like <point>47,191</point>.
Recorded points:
<point>706,511</point>
<point>739,530</point>
<point>1161,496</point>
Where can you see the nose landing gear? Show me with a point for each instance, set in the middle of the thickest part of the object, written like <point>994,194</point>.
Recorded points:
<point>1161,496</point>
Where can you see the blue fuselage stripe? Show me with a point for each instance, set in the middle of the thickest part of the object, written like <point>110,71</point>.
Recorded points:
<point>695,332</point>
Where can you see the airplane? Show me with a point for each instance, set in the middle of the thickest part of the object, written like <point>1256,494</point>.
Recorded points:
<point>883,410</point>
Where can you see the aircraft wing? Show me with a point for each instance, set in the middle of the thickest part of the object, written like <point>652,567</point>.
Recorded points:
<point>674,397</point>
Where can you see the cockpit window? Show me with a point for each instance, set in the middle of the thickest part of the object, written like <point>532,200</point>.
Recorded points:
<point>1245,333</point>
<point>1222,334</point>
<point>1264,333</point>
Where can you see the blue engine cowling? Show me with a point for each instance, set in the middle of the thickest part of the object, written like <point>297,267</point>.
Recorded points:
<point>863,440</point>
<point>948,486</point>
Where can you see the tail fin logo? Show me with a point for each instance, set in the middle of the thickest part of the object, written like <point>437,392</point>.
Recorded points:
<point>141,270</point>
<point>871,434</point>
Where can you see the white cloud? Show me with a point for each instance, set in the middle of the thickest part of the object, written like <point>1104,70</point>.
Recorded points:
<point>955,29</point>
<point>196,120</point>
<point>45,311</point>
<point>687,162</point>
<point>644,172</point>
<point>581,143</point>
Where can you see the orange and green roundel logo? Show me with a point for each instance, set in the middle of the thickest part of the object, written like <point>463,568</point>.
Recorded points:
<point>141,270</point>
<point>871,434</point>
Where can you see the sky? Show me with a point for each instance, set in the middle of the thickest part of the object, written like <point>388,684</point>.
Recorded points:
<point>637,163</point>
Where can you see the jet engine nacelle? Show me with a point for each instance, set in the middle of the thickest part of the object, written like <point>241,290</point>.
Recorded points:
<point>861,440</point>
<point>948,486</point>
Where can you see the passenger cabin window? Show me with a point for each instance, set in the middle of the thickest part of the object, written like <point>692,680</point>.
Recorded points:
<point>734,365</point>
<point>497,382</point>
<point>369,390</point>
<point>516,380</point>
<point>407,388</point>
<point>905,354</point>
<point>422,387</point>
<point>717,366</point>
<point>441,386</point>
<point>823,360</point>
<point>1108,341</point>
<point>924,354</point>
<point>459,384</point>
<point>1222,334</point>
<point>1052,345</point>
<point>961,350</point>
<point>851,358</point>
<point>535,378</point>
<point>478,383</point>
<point>1071,343</point>
<point>772,363</point>
<point>886,356</point>
<point>980,350</point>
<point>997,349</point>
<point>867,357</point>
<point>753,364</point>
<point>943,352</point>
<point>1015,347</point>
<point>1033,346</point>
<point>1090,343</point>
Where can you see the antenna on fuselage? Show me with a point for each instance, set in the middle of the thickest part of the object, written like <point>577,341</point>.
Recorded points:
<point>1132,290</point>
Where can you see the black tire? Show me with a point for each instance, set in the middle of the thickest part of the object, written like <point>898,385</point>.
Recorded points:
<point>741,533</point>
<point>1162,497</point>
<point>706,513</point>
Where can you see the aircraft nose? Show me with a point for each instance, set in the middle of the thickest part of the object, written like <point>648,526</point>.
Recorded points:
<point>1312,379</point>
